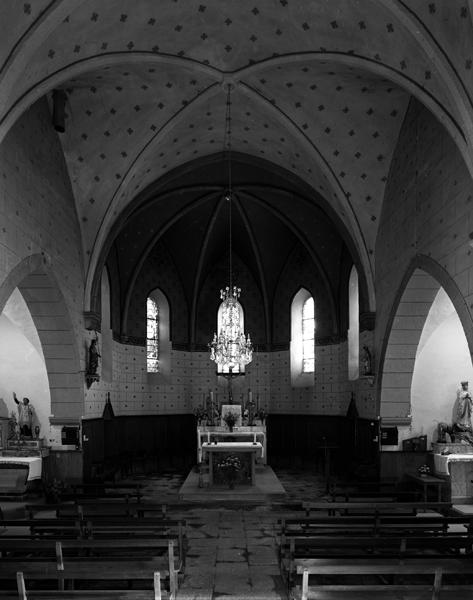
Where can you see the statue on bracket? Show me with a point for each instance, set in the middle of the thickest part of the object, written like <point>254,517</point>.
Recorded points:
<point>91,374</point>
<point>366,362</point>
<point>460,431</point>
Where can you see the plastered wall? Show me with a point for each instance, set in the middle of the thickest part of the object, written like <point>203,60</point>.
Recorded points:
<point>134,391</point>
<point>427,211</point>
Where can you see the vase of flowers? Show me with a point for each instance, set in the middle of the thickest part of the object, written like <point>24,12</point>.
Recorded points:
<point>230,465</point>
<point>424,470</point>
<point>230,419</point>
<point>261,415</point>
<point>201,415</point>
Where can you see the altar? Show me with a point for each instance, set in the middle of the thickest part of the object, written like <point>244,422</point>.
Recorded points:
<point>454,463</point>
<point>218,451</point>
<point>245,433</point>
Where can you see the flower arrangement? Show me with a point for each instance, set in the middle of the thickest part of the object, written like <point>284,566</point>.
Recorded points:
<point>230,462</point>
<point>200,414</point>
<point>230,465</point>
<point>261,415</point>
<point>423,469</point>
<point>230,419</point>
<point>54,491</point>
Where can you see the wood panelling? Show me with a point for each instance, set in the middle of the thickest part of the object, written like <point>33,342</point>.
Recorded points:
<point>156,441</point>
<point>299,439</point>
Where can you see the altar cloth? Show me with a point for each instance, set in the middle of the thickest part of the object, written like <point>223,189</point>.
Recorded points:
<point>442,461</point>
<point>252,434</point>
<point>233,447</point>
<point>34,464</point>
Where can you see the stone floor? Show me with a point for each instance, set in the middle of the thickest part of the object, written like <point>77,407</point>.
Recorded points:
<point>232,551</point>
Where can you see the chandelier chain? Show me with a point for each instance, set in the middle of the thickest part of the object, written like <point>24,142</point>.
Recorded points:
<point>230,348</point>
<point>228,148</point>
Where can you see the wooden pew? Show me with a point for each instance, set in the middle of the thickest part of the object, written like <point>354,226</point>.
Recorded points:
<point>431,585</point>
<point>371,507</point>
<point>402,548</point>
<point>87,507</point>
<point>51,527</point>
<point>132,488</point>
<point>95,506</point>
<point>128,527</point>
<point>89,569</point>
<point>375,523</point>
<point>380,490</point>
<point>13,548</point>
<point>156,593</point>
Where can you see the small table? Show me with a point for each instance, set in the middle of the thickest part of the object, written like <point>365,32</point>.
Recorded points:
<point>425,481</point>
<point>227,447</point>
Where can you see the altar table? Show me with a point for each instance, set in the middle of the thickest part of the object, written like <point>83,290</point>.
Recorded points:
<point>214,448</point>
<point>16,473</point>
<point>456,468</point>
<point>245,433</point>
<point>32,464</point>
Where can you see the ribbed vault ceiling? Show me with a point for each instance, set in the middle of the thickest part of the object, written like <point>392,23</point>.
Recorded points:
<point>320,90</point>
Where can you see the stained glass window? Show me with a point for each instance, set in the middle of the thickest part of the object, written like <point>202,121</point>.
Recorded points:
<point>152,336</point>
<point>308,328</point>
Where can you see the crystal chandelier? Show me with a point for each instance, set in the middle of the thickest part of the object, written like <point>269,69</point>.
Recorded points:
<point>230,349</point>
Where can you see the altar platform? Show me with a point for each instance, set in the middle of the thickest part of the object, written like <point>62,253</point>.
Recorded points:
<point>266,487</point>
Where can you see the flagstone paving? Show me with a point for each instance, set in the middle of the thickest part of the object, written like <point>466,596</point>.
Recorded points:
<point>232,548</point>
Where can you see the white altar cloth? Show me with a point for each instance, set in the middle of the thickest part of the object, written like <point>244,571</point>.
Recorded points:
<point>233,447</point>
<point>442,461</point>
<point>34,464</point>
<point>257,433</point>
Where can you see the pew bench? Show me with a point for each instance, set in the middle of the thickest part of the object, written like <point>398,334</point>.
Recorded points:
<point>14,549</point>
<point>352,581</point>
<point>376,523</point>
<point>107,528</point>
<point>47,527</point>
<point>402,548</point>
<point>371,507</point>
<point>156,591</point>
<point>95,506</point>
<point>80,573</point>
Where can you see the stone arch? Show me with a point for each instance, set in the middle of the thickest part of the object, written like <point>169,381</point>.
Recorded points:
<point>37,284</point>
<point>418,290</point>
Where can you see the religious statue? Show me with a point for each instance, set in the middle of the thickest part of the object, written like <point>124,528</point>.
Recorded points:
<point>93,358</point>
<point>366,361</point>
<point>25,416</point>
<point>461,430</point>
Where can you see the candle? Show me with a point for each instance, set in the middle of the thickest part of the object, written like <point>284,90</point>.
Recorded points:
<point>211,397</point>
<point>250,395</point>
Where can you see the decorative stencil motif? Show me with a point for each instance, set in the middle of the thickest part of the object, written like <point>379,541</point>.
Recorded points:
<point>316,74</point>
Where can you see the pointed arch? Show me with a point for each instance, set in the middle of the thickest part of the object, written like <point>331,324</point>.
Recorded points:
<point>37,284</point>
<point>158,334</point>
<point>418,290</point>
<point>302,346</point>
